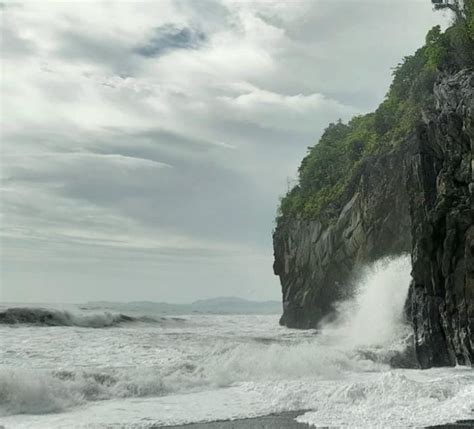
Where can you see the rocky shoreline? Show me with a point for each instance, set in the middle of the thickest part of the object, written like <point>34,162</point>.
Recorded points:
<point>417,199</point>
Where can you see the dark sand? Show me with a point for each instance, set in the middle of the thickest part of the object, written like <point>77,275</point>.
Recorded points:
<point>273,421</point>
<point>458,425</point>
<point>285,421</point>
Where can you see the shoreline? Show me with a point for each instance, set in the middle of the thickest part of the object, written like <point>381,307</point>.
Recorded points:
<point>466,424</point>
<point>285,420</point>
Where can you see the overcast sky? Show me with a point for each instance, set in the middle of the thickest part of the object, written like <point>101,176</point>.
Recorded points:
<point>145,145</point>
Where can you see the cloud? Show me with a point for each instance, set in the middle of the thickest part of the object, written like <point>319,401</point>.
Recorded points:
<point>154,142</point>
<point>14,44</point>
<point>111,51</point>
<point>169,37</point>
<point>295,112</point>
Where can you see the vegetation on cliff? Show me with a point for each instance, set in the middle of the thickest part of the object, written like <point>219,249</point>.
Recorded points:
<point>329,168</point>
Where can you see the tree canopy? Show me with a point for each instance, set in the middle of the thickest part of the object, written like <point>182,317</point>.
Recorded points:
<point>329,167</point>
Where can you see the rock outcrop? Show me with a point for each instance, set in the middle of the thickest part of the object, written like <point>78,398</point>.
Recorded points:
<point>440,188</point>
<point>416,198</point>
<point>317,263</point>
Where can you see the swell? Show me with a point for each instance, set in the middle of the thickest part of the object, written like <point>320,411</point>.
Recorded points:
<point>49,317</point>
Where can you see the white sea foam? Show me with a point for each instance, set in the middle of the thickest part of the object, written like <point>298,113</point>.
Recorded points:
<point>397,399</point>
<point>221,365</point>
<point>372,400</point>
<point>215,367</point>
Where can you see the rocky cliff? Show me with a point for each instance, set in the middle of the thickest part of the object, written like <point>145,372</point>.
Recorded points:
<point>440,189</point>
<point>317,263</point>
<point>415,198</point>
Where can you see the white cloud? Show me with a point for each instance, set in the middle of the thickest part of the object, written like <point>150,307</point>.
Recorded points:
<point>181,147</point>
<point>294,112</point>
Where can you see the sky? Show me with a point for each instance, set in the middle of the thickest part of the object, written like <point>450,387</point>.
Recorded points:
<point>144,146</point>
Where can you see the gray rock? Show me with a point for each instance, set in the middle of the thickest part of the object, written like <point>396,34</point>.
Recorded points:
<point>318,264</point>
<point>416,198</point>
<point>442,289</point>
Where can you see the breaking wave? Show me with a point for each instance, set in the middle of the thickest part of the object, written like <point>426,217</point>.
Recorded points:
<point>342,372</point>
<point>49,317</point>
<point>304,375</point>
<point>217,366</point>
<point>375,316</point>
<point>361,340</point>
<point>25,391</point>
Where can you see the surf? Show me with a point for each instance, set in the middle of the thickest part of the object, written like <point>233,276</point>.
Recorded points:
<point>50,317</point>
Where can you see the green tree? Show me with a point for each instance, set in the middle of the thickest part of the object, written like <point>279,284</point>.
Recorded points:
<point>456,6</point>
<point>330,167</point>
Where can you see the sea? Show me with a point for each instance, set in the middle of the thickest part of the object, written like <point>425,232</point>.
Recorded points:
<point>108,365</point>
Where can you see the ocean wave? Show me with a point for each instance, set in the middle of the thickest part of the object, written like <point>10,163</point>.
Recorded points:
<point>402,395</point>
<point>50,317</point>
<point>395,399</point>
<point>219,365</point>
<point>29,391</point>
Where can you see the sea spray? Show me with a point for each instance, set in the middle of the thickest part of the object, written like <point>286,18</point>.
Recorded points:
<point>374,316</point>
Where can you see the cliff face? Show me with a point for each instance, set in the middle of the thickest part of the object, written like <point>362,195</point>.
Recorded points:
<point>317,263</point>
<point>440,188</point>
<point>416,198</point>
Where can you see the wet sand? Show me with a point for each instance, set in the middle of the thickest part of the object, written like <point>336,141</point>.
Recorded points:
<point>458,425</point>
<point>285,421</point>
<point>273,421</point>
